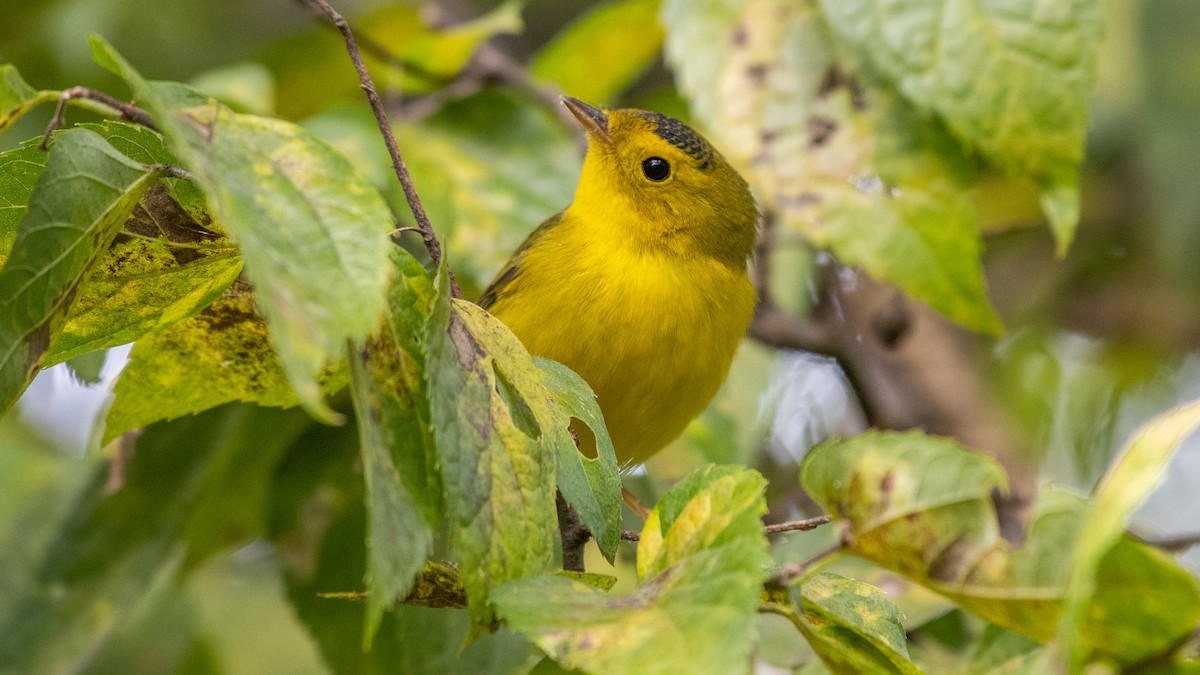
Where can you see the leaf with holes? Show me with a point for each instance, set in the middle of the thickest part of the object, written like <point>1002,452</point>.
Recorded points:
<point>701,565</point>
<point>311,228</point>
<point>496,432</point>
<point>592,485</point>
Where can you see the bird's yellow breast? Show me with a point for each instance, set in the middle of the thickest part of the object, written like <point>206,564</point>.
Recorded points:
<point>651,330</point>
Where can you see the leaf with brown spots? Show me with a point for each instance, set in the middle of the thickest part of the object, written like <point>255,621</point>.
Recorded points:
<point>76,210</point>
<point>922,506</point>
<point>498,434</point>
<point>851,625</point>
<point>310,227</point>
<point>859,172</point>
<point>701,563</point>
<point>222,353</point>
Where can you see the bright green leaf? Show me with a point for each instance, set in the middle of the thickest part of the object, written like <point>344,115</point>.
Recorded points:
<point>1136,471</point>
<point>852,626</point>
<point>16,96</point>
<point>592,485</point>
<point>495,430</point>
<point>603,52</point>
<point>694,609</point>
<point>246,87</point>
<point>1009,79</point>
<point>311,229</point>
<point>78,205</point>
<point>860,173</point>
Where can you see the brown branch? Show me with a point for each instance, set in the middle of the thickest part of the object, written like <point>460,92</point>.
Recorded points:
<point>127,111</point>
<point>574,533</point>
<point>798,525</point>
<point>788,572</point>
<point>790,526</point>
<point>368,86</point>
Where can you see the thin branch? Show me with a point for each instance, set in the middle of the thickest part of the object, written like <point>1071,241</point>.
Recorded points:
<point>790,526</point>
<point>368,86</point>
<point>794,570</point>
<point>798,525</point>
<point>127,111</point>
<point>172,171</point>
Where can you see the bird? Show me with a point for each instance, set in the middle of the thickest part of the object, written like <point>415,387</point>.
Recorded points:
<point>641,284</point>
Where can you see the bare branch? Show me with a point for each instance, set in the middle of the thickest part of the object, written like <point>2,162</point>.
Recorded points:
<point>788,572</point>
<point>368,86</point>
<point>798,525</point>
<point>127,111</point>
<point>1172,544</point>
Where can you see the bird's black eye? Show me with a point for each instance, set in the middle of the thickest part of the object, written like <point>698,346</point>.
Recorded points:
<point>656,169</point>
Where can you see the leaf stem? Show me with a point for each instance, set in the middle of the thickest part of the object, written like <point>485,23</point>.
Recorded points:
<point>127,111</point>
<point>368,86</point>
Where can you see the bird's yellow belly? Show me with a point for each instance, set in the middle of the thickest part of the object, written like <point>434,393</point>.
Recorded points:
<point>653,340</point>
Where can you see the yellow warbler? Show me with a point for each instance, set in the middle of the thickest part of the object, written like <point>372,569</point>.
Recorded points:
<point>640,285</point>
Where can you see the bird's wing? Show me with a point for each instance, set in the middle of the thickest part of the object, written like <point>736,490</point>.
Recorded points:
<point>512,269</point>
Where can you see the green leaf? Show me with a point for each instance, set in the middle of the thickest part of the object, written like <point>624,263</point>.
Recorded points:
<point>592,485</point>
<point>861,173</point>
<point>325,555</point>
<point>19,171</point>
<point>1010,81</point>
<point>939,529</point>
<point>601,53</point>
<point>1003,652</point>
<point>496,432</point>
<point>85,368</point>
<point>311,229</point>
<point>16,96</point>
<point>705,555</point>
<point>190,488</point>
<point>221,354</point>
<point>403,495</point>
<point>1134,474</point>
<point>852,626</point>
<point>87,190</point>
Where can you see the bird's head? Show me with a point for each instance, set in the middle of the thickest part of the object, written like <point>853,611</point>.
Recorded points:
<point>657,173</point>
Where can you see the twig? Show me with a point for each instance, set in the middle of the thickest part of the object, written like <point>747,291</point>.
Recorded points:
<point>172,171</point>
<point>128,111</point>
<point>771,325</point>
<point>575,535</point>
<point>794,570</point>
<point>790,526</point>
<point>368,86</point>
<point>635,504</point>
<point>798,525</point>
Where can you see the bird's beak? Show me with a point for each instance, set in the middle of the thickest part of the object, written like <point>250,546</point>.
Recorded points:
<point>592,118</point>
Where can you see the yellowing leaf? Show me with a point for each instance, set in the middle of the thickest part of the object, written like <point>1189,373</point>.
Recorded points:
<point>694,608</point>
<point>76,209</point>
<point>1011,80</point>
<point>857,171</point>
<point>311,228</point>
